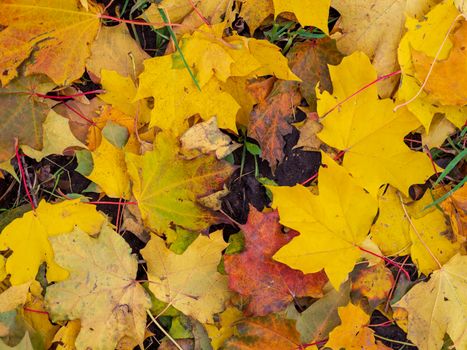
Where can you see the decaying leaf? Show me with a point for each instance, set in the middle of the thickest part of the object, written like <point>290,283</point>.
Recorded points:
<point>439,306</point>
<point>206,137</point>
<point>190,281</point>
<point>269,121</point>
<point>315,323</point>
<point>373,283</point>
<point>42,34</point>
<point>101,290</point>
<point>272,331</point>
<point>115,50</point>
<point>28,237</point>
<point>22,114</point>
<point>271,285</point>
<point>167,186</point>
<point>456,208</point>
<point>331,225</point>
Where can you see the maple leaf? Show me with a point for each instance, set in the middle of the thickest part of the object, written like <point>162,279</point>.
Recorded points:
<point>315,323</point>
<point>190,281</point>
<point>206,137</point>
<point>272,331</point>
<point>331,225</point>
<point>368,130</point>
<point>308,12</point>
<point>109,171</point>
<point>227,320</point>
<point>271,286</point>
<point>353,333</point>
<point>115,50</point>
<point>167,186</point>
<point>109,114</point>
<point>22,114</point>
<point>176,97</point>
<point>43,33</point>
<point>438,306</point>
<point>57,137</point>
<point>424,234</point>
<point>101,290</point>
<point>213,60</point>
<point>28,237</point>
<point>376,27</point>
<point>373,283</point>
<point>443,84</point>
<point>417,51</point>
<point>269,121</point>
<point>120,92</point>
<point>456,208</point>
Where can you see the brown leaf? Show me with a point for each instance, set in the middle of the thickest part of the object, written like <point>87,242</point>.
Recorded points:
<point>309,60</point>
<point>269,121</point>
<point>269,332</point>
<point>270,285</point>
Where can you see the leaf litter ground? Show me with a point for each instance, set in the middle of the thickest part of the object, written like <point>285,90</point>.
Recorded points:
<point>56,174</point>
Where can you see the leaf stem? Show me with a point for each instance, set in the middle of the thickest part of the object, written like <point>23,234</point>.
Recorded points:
<point>360,90</point>
<point>418,234</point>
<point>387,260</point>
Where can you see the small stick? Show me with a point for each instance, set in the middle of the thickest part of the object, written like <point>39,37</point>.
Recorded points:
<point>25,177</point>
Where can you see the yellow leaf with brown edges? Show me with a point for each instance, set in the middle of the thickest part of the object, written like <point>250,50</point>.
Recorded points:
<point>51,37</point>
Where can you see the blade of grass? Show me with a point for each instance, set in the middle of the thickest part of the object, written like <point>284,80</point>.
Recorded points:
<point>446,195</point>
<point>451,165</point>
<point>174,38</point>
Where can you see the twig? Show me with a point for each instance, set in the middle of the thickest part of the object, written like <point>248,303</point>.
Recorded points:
<point>418,234</point>
<point>25,177</point>
<point>164,331</point>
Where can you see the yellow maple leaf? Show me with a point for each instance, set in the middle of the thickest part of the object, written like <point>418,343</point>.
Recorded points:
<point>423,40</point>
<point>376,27</point>
<point>190,281</point>
<point>368,130</point>
<point>167,186</point>
<point>443,84</point>
<point>109,171</point>
<point>57,136</point>
<point>176,97</point>
<point>101,290</point>
<point>45,32</point>
<point>120,92</point>
<point>308,12</point>
<point>213,59</point>
<point>28,236</point>
<point>438,306</point>
<point>353,333</point>
<point>425,234</point>
<point>331,225</point>
<point>227,320</point>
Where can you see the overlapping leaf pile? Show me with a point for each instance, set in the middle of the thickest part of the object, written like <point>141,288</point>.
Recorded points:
<point>314,268</point>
